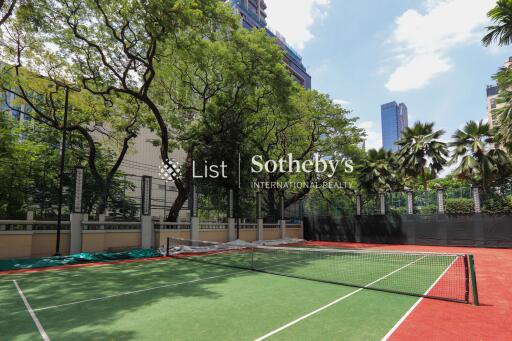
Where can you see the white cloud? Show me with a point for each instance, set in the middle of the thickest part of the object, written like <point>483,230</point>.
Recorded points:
<point>341,102</point>
<point>423,41</point>
<point>293,19</point>
<point>374,137</point>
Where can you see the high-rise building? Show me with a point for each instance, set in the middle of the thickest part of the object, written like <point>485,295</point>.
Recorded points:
<point>7,104</point>
<point>492,96</point>
<point>394,119</point>
<point>253,15</point>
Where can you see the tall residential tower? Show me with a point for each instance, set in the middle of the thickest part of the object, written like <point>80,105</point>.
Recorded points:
<point>394,120</point>
<point>254,16</point>
<point>492,96</point>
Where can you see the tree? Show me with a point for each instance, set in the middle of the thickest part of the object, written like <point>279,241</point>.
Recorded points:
<point>480,161</point>
<point>106,124</point>
<point>421,152</point>
<point>119,52</point>
<point>379,172</point>
<point>503,112</point>
<point>6,10</point>
<point>215,90</point>
<point>311,128</point>
<point>501,31</point>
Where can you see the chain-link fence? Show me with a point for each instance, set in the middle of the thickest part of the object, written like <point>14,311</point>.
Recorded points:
<point>396,203</point>
<point>425,202</point>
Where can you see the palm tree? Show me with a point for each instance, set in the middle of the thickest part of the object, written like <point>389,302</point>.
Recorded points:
<point>501,31</point>
<point>503,112</point>
<point>378,172</point>
<point>422,155</point>
<point>480,161</point>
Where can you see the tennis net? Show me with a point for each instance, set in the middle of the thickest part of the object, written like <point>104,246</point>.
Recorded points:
<point>434,275</point>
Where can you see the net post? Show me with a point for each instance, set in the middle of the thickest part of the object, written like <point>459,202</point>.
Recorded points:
<point>466,278</point>
<point>168,245</point>
<point>473,280</point>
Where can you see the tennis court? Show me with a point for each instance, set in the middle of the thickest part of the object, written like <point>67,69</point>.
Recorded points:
<point>289,294</point>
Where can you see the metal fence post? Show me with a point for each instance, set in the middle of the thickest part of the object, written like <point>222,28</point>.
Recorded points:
<point>259,219</point>
<point>282,221</point>
<point>194,217</point>
<point>231,215</point>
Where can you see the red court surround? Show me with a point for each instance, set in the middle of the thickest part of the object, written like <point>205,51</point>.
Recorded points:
<point>439,320</point>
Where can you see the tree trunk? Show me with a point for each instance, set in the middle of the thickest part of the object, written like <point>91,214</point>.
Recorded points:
<point>183,191</point>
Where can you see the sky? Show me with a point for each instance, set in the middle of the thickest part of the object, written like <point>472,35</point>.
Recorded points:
<point>425,53</point>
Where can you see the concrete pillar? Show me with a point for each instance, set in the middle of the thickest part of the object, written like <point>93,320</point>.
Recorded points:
<point>476,199</point>
<point>260,229</point>
<point>147,232</point>
<point>282,226</point>
<point>358,204</point>
<point>147,226</point>
<point>79,189</point>
<point>440,201</point>
<point>194,219</point>
<point>231,229</point>
<point>281,207</point>
<point>101,218</point>
<point>410,202</point>
<point>30,217</point>
<point>75,230</point>
<point>382,203</point>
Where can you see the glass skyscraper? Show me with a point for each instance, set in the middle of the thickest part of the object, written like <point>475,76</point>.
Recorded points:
<point>254,16</point>
<point>394,119</point>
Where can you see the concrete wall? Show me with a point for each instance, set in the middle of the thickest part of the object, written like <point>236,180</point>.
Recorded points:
<point>294,233</point>
<point>110,240</point>
<point>31,244</point>
<point>270,234</point>
<point>249,235</point>
<point>34,244</point>
<point>162,235</point>
<point>220,236</point>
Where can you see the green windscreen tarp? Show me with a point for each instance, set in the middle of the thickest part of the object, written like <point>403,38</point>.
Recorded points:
<point>78,258</point>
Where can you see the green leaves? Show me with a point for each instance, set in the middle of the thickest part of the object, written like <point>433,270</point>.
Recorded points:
<point>501,31</point>
<point>481,161</point>
<point>421,152</point>
<point>379,172</point>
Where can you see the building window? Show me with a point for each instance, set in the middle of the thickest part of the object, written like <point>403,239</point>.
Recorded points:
<point>493,103</point>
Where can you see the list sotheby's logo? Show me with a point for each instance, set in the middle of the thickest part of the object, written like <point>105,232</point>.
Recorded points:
<point>290,165</point>
<point>171,169</point>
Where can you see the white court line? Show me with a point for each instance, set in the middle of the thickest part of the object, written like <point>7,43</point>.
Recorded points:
<point>32,313</point>
<point>154,288</point>
<point>406,315</point>
<point>138,291</point>
<point>334,302</point>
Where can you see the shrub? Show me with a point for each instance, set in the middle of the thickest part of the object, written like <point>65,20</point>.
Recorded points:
<point>497,204</point>
<point>459,206</point>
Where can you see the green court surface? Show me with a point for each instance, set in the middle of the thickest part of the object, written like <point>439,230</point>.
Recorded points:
<point>176,299</point>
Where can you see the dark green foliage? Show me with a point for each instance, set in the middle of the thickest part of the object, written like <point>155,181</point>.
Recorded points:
<point>422,155</point>
<point>459,206</point>
<point>497,204</point>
